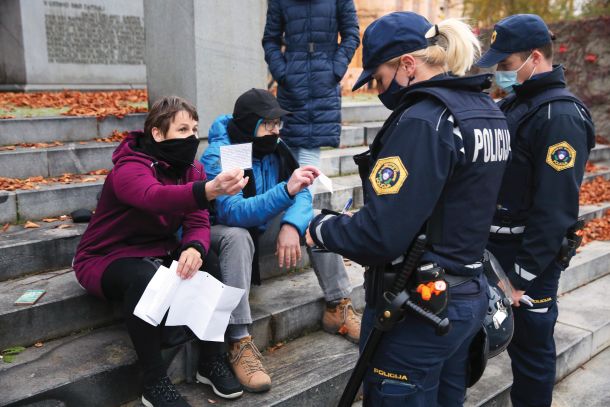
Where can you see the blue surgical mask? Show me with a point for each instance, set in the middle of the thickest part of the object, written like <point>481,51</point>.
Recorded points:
<point>391,96</point>
<point>507,79</point>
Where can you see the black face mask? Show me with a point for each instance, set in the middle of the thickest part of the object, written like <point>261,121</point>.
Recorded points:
<point>261,146</point>
<point>179,153</point>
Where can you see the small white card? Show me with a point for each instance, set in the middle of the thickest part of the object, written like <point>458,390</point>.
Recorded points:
<point>236,156</point>
<point>324,183</point>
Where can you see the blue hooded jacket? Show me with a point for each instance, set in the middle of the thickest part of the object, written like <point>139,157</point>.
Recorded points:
<point>271,197</point>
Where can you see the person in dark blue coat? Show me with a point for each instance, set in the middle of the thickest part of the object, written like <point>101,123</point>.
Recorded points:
<point>310,67</point>
<point>551,136</point>
<point>434,168</point>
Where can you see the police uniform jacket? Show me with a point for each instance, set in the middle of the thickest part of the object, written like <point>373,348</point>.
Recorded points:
<point>538,200</point>
<point>440,157</point>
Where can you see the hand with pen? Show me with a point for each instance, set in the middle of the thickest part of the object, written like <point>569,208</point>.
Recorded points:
<point>309,241</point>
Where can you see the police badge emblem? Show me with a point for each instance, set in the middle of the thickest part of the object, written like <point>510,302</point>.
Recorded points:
<point>388,175</point>
<point>561,156</point>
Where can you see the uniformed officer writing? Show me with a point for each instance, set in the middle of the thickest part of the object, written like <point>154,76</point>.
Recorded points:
<point>434,167</point>
<point>552,134</point>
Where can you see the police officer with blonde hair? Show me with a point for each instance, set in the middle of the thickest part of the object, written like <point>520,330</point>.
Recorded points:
<point>434,168</point>
<point>533,233</point>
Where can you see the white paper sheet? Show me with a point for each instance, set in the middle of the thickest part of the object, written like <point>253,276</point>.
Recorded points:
<point>236,156</point>
<point>202,303</point>
<point>323,183</point>
<point>158,294</point>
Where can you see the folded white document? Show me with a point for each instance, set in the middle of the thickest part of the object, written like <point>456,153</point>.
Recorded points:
<point>236,156</point>
<point>202,303</point>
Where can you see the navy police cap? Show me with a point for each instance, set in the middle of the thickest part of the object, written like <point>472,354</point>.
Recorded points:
<point>516,33</point>
<point>391,36</point>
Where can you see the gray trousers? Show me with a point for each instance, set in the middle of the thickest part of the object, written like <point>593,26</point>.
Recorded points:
<point>235,251</point>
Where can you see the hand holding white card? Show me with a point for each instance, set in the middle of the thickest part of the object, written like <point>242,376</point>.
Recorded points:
<point>236,156</point>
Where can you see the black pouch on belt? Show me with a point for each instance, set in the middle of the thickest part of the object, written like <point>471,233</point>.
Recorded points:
<point>570,243</point>
<point>430,289</point>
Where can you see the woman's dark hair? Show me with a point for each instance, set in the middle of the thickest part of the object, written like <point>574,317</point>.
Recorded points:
<point>163,112</point>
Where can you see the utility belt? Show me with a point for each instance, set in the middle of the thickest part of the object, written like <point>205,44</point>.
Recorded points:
<point>311,47</point>
<point>571,241</point>
<point>427,287</point>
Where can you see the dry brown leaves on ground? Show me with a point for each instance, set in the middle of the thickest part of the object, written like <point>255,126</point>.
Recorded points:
<point>32,145</point>
<point>99,104</point>
<point>595,191</point>
<point>596,229</point>
<point>12,184</point>
<point>590,167</point>
<point>116,136</point>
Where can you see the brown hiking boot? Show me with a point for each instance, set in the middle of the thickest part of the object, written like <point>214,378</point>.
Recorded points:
<point>343,320</point>
<point>248,366</point>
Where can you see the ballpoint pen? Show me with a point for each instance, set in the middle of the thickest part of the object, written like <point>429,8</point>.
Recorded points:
<point>348,205</point>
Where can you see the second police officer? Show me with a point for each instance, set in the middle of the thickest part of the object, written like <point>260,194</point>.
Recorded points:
<point>533,230</point>
<point>434,167</point>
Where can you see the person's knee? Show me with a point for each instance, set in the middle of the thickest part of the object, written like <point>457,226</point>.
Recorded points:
<point>234,238</point>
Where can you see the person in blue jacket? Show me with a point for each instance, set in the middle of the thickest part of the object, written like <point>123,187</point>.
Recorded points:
<point>551,136</point>
<point>434,168</point>
<point>273,210</point>
<point>308,70</point>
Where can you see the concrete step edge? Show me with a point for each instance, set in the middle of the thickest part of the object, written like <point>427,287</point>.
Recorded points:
<point>578,340</point>
<point>282,307</point>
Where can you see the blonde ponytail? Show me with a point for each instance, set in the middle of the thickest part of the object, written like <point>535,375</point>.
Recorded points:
<point>457,47</point>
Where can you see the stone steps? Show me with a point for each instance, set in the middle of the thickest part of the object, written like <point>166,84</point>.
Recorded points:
<point>570,392</point>
<point>311,370</point>
<point>84,128</point>
<point>604,172</point>
<point>601,152</point>
<point>86,364</point>
<point>582,331</point>
<point>26,251</point>
<point>84,157</point>
<point>282,307</point>
<point>60,199</point>
<point>65,128</point>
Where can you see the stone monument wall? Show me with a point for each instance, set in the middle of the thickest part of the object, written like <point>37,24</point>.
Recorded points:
<point>78,44</point>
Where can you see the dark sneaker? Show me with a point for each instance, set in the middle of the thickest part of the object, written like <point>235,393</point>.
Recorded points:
<point>163,393</point>
<point>217,373</point>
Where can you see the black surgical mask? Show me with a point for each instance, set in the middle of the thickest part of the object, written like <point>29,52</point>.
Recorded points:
<point>392,95</point>
<point>179,153</point>
<point>261,146</point>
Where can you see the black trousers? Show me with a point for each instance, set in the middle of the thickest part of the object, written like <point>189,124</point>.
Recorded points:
<point>125,280</point>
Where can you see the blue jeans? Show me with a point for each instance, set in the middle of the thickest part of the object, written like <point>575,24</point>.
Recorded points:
<point>307,156</point>
<point>413,366</point>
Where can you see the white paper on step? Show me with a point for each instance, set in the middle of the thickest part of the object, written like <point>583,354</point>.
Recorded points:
<point>236,156</point>
<point>202,303</point>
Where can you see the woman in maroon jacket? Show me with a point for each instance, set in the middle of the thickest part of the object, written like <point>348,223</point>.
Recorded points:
<point>154,188</point>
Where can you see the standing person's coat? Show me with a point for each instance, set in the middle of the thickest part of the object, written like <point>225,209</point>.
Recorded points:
<point>309,70</point>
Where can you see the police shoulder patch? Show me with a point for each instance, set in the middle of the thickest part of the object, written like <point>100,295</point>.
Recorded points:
<point>561,156</point>
<point>388,175</point>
